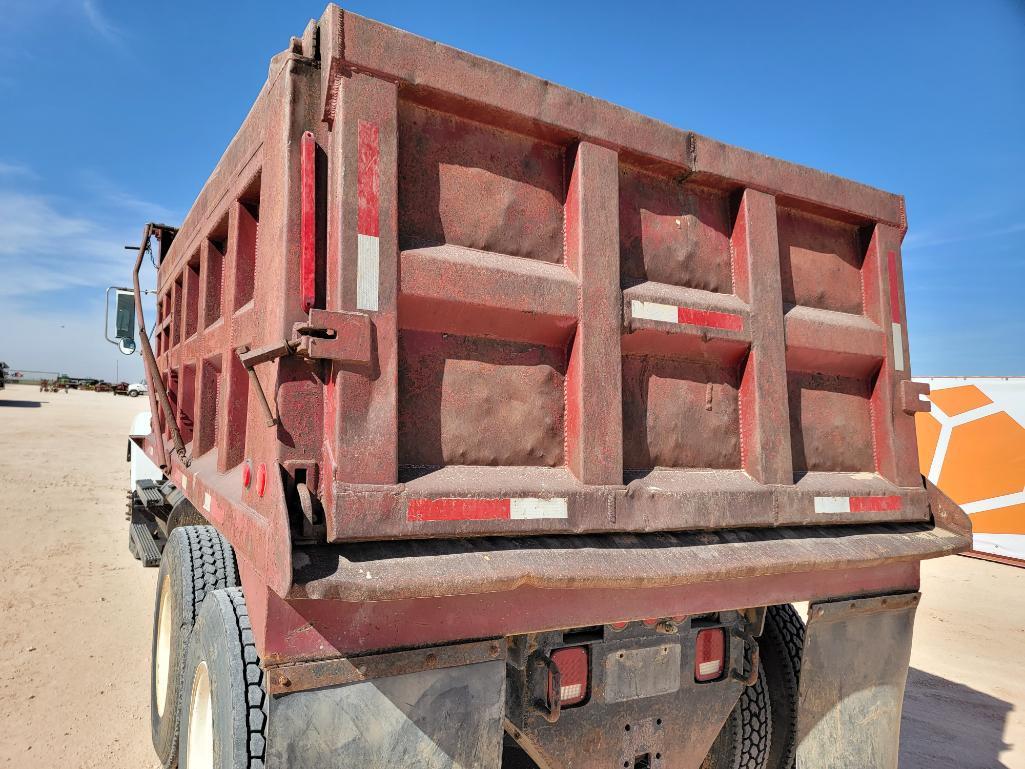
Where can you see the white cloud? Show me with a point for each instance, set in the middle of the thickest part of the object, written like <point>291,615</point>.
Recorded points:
<point>99,22</point>
<point>44,248</point>
<point>16,170</point>
<point>966,229</point>
<point>57,257</point>
<point>49,243</point>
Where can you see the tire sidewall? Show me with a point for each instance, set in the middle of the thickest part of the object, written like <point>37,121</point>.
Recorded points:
<point>180,598</point>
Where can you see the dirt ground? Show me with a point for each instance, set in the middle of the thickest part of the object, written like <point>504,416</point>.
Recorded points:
<point>75,612</point>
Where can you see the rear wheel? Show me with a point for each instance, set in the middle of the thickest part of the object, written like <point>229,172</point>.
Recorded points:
<point>224,707</point>
<point>196,561</point>
<point>781,645</point>
<point>744,740</point>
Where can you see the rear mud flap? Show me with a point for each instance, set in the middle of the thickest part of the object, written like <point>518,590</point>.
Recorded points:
<point>435,719</point>
<point>853,670</point>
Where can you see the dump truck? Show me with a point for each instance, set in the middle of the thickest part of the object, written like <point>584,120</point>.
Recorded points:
<point>494,425</point>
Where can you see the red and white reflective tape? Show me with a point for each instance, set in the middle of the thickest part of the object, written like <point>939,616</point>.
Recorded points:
<point>463,509</point>
<point>857,504</point>
<point>670,313</point>
<point>895,325</point>
<point>368,186</point>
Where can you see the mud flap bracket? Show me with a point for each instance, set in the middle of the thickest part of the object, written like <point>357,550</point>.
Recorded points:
<point>853,671</point>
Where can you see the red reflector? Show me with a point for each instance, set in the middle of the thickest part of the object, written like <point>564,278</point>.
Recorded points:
<point>308,222</point>
<point>573,672</point>
<point>247,474</point>
<point>619,625</point>
<point>709,655</point>
<point>261,479</point>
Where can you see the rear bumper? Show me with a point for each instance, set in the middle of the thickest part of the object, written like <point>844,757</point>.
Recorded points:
<point>371,597</point>
<point>395,571</point>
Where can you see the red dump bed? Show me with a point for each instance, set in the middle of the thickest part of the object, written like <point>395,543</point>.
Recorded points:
<point>514,309</point>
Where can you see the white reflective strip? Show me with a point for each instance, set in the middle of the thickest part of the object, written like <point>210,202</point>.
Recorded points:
<point>832,504</point>
<point>654,311</point>
<point>571,691</point>
<point>531,507</point>
<point>1006,500</point>
<point>898,347</point>
<point>709,668</point>
<point>206,502</point>
<point>368,260</point>
<point>185,482</point>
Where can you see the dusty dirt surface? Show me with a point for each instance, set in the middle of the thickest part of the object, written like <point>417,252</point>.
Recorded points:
<point>75,612</point>
<point>75,608</point>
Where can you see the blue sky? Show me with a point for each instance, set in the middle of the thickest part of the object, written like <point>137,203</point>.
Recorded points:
<point>115,113</point>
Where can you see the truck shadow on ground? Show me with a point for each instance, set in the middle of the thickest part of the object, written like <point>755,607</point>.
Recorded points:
<point>22,404</point>
<point>947,724</point>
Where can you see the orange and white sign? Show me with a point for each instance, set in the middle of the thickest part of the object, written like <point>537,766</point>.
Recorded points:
<point>972,446</point>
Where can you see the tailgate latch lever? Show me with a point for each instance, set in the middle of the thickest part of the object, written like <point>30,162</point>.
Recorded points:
<point>340,337</point>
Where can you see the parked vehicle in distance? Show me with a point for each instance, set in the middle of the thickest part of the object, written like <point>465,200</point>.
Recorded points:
<point>137,389</point>
<point>500,426</point>
<point>121,388</point>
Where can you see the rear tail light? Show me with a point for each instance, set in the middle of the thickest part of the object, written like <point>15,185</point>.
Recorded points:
<point>574,671</point>
<point>709,655</point>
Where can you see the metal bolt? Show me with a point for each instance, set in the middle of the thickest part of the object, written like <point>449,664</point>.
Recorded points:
<point>431,660</point>
<point>284,680</point>
<point>666,626</point>
<point>493,650</point>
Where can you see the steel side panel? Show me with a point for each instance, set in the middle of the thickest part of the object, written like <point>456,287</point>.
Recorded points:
<point>853,671</point>
<point>434,719</point>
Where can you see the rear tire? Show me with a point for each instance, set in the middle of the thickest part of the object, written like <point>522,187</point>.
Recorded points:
<point>224,707</point>
<point>781,645</point>
<point>744,740</point>
<point>196,561</point>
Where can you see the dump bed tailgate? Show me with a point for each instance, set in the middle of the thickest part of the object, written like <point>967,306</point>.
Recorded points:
<point>589,321</point>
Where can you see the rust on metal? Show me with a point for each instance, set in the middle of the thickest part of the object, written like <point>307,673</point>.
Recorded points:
<point>302,676</point>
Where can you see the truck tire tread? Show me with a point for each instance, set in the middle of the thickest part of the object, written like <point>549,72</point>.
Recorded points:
<point>753,726</point>
<point>239,695</point>
<point>198,560</point>
<point>782,644</point>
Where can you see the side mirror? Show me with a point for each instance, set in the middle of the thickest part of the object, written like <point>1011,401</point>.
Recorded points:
<point>124,319</point>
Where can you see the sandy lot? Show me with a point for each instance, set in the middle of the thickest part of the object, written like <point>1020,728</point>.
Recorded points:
<point>75,612</point>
